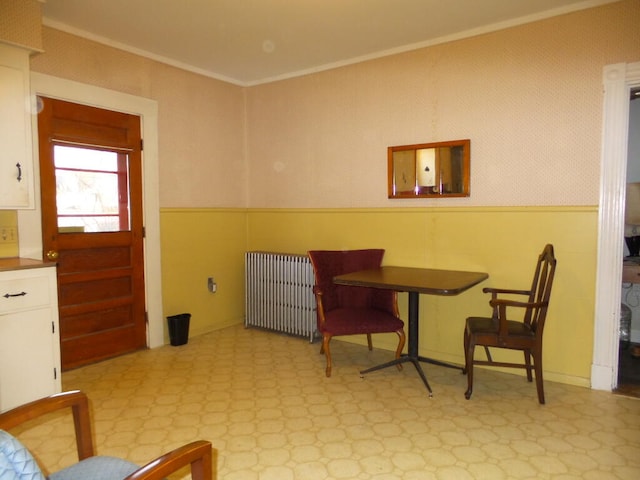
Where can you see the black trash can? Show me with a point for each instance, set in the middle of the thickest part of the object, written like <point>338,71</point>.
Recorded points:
<point>179,328</point>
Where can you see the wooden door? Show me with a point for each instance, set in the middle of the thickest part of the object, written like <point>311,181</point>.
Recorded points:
<point>91,187</point>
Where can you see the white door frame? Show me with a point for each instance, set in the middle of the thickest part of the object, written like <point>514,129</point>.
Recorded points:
<point>29,221</point>
<point>618,80</point>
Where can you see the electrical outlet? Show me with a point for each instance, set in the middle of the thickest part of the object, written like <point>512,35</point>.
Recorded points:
<point>8,241</point>
<point>211,285</point>
<point>8,235</point>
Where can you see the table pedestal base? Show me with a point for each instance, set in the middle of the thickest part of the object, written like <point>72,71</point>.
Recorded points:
<point>416,363</point>
<point>414,281</point>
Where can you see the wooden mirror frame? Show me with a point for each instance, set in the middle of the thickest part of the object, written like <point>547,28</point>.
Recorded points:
<point>429,170</point>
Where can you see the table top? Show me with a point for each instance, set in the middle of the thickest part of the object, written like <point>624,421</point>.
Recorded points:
<point>408,279</point>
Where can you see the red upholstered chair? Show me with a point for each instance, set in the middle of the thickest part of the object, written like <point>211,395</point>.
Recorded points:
<point>349,310</point>
<point>501,330</point>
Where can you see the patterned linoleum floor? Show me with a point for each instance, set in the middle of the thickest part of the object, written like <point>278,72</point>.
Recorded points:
<point>264,402</point>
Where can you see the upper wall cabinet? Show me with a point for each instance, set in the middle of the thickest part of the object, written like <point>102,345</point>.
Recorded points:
<point>429,170</point>
<point>16,157</point>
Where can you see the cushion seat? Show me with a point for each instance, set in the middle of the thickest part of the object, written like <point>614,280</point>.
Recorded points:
<point>353,320</point>
<point>484,325</point>
<point>96,468</point>
<point>17,463</point>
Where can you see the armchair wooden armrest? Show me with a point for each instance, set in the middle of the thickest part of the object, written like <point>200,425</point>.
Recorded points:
<point>199,454</point>
<point>500,307</point>
<point>75,399</point>
<point>496,291</point>
<point>501,302</point>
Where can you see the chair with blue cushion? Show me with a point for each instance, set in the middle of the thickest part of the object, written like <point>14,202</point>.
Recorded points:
<point>17,463</point>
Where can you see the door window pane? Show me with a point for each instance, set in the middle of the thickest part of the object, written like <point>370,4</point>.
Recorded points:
<point>92,189</point>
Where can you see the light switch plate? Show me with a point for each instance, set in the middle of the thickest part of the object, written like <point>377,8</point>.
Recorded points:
<point>8,241</point>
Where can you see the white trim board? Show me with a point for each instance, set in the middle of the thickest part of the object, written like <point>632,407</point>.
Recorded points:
<point>618,79</point>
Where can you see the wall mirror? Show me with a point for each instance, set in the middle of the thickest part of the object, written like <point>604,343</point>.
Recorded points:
<point>429,170</point>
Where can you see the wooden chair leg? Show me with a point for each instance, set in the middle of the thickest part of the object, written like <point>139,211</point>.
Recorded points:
<point>465,348</point>
<point>369,342</point>
<point>401,341</point>
<point>537,364</point>
<point>527,362</point>
<point>327,353</point>
<point>469,367</point>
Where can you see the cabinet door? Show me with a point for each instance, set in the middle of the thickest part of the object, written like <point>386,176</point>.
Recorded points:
<point>16,189</point>
<point>27,357</point>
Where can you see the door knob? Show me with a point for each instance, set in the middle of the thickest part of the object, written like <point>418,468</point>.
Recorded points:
<point>52,255</point>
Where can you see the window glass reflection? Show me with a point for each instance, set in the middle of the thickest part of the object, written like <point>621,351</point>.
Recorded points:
<point>92,189</point>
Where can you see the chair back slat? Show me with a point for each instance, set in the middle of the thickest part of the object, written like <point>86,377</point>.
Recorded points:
<point>541,289</point>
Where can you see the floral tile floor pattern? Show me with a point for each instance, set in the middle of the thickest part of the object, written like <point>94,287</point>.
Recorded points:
<point>264,402</point>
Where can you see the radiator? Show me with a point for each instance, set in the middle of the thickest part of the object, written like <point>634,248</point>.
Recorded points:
<point>279,293</point>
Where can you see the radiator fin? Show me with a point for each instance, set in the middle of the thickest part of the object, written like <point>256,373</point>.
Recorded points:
<point>279,293</point>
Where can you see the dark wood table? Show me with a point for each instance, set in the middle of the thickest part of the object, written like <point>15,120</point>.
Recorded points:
<point>414,281</point>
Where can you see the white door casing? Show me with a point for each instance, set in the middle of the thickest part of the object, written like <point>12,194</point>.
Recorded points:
<point>618,79</point>
<point>29,221</point>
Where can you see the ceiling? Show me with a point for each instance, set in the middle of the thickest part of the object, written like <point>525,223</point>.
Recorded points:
<point>248,42</point>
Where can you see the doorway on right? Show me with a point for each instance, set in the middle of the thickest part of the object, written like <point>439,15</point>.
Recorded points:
<point>629,349</point>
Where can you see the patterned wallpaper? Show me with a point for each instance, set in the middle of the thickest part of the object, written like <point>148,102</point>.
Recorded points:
<point>21,23</point>
<point>528,97</point>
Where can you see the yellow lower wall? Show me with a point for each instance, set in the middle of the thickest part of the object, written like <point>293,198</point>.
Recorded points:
<point>504,242</point>
<point>201,243</point>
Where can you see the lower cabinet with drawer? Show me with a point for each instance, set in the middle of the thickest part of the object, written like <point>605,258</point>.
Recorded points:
<point>29,337</point>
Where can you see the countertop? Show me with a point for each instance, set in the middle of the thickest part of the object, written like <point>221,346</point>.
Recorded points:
<point>17,263</point>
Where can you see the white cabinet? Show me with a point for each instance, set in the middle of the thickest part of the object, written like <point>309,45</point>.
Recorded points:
<point>16,157</point>
<point>29,338</point>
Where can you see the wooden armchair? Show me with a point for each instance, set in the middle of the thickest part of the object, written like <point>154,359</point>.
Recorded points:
<point>348,310</point>
<point>199,454</point>
<point>525,335</point>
